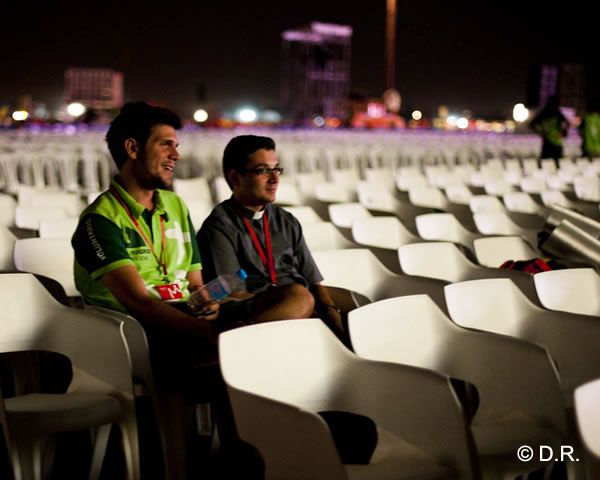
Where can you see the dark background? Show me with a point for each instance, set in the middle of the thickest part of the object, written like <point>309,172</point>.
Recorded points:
<point>467,55</point>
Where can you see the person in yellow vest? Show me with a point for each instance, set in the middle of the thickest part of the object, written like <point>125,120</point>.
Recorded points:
<point>589,130</point>
<point>553,127</point>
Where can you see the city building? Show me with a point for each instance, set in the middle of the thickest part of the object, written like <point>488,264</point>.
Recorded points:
<point>96,88</point>
<point>316,73</point>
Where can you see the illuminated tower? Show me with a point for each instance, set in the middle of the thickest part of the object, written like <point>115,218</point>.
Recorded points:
<point>316,72</point>
<point>98,88</point>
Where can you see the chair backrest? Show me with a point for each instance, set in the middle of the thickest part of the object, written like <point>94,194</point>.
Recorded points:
<point>51,257</point>
<point>574,290</point>
<point>356,269</point>
<point>304,214</point>
<point>343,214</point>
<point>430,197</point>
<point>221,189</point>
<point>382,232</point>
<point>497,305</point>
<point>58,227</point>
<point>458,193</point>
<point>485,203</point>
<point>445,227</point>
<point>520,202</point>
<point>335,192</point>
<point>440,260</point>
<point>33,320</point>
<point>29,217</point>
<point>587,399</point>
<point>324,236</point>
<point>495,223</point>
<point>70,202</point>
<point>8,206</point>
<point>494,251</point>
<point>193,189</point>
<point>376,196</point>
<point>198,210</point>
<point>7,250</point>
<point>289,194</point>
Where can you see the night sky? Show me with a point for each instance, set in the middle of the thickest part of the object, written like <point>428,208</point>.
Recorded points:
<point>466,55</point>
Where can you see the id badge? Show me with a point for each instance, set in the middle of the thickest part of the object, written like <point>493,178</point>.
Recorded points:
<point>171,291</point>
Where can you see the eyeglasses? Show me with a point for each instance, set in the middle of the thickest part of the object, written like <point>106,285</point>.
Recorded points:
<point>265,171</point>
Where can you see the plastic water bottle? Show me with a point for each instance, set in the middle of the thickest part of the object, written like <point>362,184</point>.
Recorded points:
<point>217,289</point>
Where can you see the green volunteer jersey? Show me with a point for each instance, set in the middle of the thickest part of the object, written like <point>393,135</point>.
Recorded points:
<point>115,231</point>
<point>591,134</point>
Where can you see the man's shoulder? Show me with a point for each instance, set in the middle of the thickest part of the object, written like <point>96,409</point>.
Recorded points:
<point>221,215</point>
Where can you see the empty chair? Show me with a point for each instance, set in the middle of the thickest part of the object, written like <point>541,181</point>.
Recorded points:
<point>307,181</point>
<point>485,203</point>
<point>494,251</point>
<point>100,392</point>
<point>587,399</point>
<point>376,196</point>
<point>58,227</point>
<point>7,249</point>
<point>587,187</point>
<point>430,197</point>
<point>335,192</point>
<point>359,270</point>
<point>381,232</point>
<point>304,214</point>
<point>324,236</point>
<point>289,194</point>
<point>29,217</point>
<point>497,305</point>
<point>8,206</point>
<point>497,186</point>
<point>407,179</point>
<point>70,202</point>
<point>26,193</point>
<point>499,223</point>
<point>510,375</point>
<point>458,193</point>
<point>533,185</point>
<point>193,189</point>
<point>574,290</point>
<point>281,375</point>
<point>444,226</point>
<point>221,189</point>
<point>198,210</point>
<point>51,257</point>
<point>343,214</point>
<point>521,202</point>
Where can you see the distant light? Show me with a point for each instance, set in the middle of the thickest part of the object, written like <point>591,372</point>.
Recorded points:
<point>20,115</point>
<point>520,113</point>
<point>200,115</point>
<point>318,120</point>
<point>451,120</point>
<point>270,116</point>
<point>416,115</point>
<point>462,123</point>
<point>75,109</point>
<point>246,115</point>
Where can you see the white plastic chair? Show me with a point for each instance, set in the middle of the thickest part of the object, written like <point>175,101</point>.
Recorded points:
<point>587,399</point>
<point>381,232</point>
<point>7,250</point>
<point>494,251</point>
<point>359,270</point>
<point>458,193</point>
<point>8,206</point>
<point>485,203</point>
<point>499,223</point>
<point>430,197</point>
<point>70,202</point>
<point>324,236</point>
<point>445,227</point>
<point>521,202</point>
<point>58,227</point>
<point>304,214</point>
<point>289,194</point>
<point>376,196</point>
<point>190,189</point>
<point>343,214</point>
<point>497,305</point>
<point>51,257</point>
<point>281,374</point>
<point>198,210</point>
<point>335,192</point>
<point>221,189</point>
<point>510,375</point>
<point>100,392</point>
<point>575,290</point>
<point>29,217</point>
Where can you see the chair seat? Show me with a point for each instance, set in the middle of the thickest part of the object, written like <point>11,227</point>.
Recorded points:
<point>396,459</point>
<point>498,441</point>
<point>45,412</point>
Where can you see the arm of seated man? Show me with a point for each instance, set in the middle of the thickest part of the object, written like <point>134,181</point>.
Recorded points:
<point>126,284</point>
<point>325,307</point>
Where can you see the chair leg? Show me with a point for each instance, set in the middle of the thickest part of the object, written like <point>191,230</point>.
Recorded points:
<point>131,444</point>
<point>99,451</point>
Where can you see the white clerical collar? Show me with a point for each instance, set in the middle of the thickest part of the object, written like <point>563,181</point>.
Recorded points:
<point>258,215</point>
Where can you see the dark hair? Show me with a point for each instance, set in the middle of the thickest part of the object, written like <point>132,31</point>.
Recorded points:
<point>135,120</point>
<point>237,151</point>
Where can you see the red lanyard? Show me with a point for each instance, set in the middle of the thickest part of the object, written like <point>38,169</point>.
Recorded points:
<point>267,259</point>
<point>160,260</point>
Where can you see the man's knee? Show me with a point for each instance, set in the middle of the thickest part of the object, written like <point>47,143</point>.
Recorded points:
<point>300,296</point>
